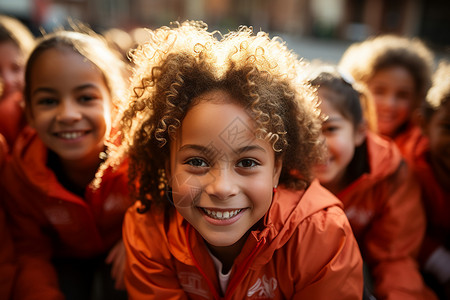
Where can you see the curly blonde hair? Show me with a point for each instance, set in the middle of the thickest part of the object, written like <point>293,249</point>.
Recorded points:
<point>182,62</point>
<point>362,60</point>
<point>439,93</point>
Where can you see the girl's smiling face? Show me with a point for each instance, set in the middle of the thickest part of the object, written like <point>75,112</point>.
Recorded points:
<point>222,176</point>
<point>394,92</point>
<point>70,105</point>
<point>341,139</point>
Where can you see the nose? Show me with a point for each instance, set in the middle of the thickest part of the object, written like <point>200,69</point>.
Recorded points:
<point>388,100</point>
<point>223,184</point>
<point>68,112</point>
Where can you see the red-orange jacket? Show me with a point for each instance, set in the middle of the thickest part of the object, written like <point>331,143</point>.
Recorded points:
<point>49,221</point>
<point>437,204</point>
<point>7,258</point>
<point>408,140</point>
<point>387,217</point>
<point>12,117</point>
<point>304,250</point>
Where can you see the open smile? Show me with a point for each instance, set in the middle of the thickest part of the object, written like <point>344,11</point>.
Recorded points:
<point>70,135</point>
<point>221,214</point>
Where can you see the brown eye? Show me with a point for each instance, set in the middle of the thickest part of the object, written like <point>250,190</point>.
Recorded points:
<point>247,163</point>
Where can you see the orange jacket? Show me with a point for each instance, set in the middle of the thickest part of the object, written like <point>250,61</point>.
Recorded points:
<point>437,204</point>
<point>12,117</point>
<point>305,250</point>
<point>49,221</point>
<point>385,211</point>
<point>408,140</point>
<point>7,258</point>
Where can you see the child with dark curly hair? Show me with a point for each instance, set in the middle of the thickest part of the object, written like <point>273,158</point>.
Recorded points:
<point>68,235</point>
<point>16,42</point>
<point>432,165</point>
<point>381,196</point>
<point>397,72</point>
<point>221,135</point>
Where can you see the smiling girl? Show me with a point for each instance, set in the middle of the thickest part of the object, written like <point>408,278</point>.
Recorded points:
<point>215,131</point>
<point>397,72</point>
<point>63,228</point>
<point>380,196</point>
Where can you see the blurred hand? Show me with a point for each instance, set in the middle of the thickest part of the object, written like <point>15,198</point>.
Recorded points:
<point>116,257</point>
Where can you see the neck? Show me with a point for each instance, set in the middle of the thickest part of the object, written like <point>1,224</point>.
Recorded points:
<point>227,254</point>
<point>81,173</point>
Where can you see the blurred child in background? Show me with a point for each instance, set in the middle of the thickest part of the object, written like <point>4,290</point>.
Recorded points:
<point>381,199</point>
<point>432,165</point>
<point>214,132</point>
<point>63,228</point>
<point>397,72</point>
<point>7,257</point>
<point>16,41</point>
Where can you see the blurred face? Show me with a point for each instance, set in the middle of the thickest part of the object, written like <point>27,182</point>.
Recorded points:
<point>70,105</point>
<point>11,69</point>
<point>394,92</point>
<point>341,140</point>
<point>438,132</point>
<point>222,177</point>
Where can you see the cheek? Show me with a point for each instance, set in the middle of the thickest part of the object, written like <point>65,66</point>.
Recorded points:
<point>186,189</point>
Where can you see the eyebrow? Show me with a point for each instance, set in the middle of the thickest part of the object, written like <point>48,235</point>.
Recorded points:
<point>334,119</point>
<point>51,90</point>
<point>208,149</point>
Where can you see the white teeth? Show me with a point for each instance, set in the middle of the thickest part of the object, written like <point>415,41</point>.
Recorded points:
<point>219,215</point>
<point>70,135</point>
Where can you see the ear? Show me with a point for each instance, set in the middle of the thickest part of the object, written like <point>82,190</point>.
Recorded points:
<point>277,171</point>
<point>360,134</point>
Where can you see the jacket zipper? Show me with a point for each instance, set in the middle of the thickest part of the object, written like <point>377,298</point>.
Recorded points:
<point>238,276</point>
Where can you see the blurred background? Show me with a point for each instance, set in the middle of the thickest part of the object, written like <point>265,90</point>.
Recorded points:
<point>320,29</point>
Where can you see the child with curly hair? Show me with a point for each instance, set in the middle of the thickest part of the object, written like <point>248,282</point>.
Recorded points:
<point>397,72</point>
<point>16,42</point>
<point>221,135</point>
<point>63,228</point>
<point>432,165</point>
<point>380,194</point>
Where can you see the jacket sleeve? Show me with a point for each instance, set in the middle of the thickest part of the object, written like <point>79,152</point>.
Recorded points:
<point>149,273</point>
<point>392,243</point>
<point>329,262</point>
<point>36,277</point>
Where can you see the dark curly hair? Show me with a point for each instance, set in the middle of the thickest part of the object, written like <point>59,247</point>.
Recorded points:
<point>179,64</point>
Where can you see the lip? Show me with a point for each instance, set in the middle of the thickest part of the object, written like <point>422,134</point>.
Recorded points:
<point>222,222</point>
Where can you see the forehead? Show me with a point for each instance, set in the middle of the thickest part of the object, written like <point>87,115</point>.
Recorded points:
<point>62,65</point>
<point>216,116</point>
<point>9,51</point>
<point>393,75</point>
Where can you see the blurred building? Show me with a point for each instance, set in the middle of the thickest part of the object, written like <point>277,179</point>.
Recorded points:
<point>339,19</point>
